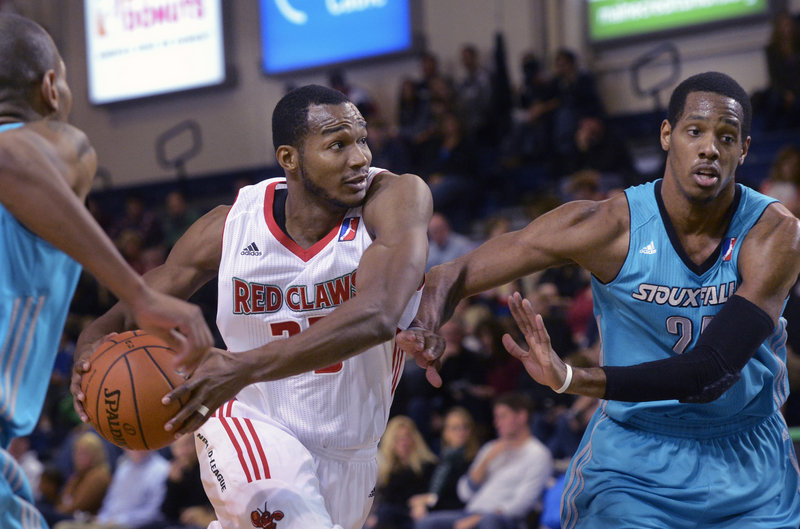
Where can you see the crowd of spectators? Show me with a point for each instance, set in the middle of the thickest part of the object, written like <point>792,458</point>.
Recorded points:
<point>448,454</point>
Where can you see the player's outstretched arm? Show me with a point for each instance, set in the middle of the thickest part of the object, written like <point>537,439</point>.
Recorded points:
<point>46,169</point>
<point>193,262</point>
<point>591,234</point>
<point>396,211</point>
<point>707,370</point>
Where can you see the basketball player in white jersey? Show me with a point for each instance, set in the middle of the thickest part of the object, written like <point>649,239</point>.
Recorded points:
<point>312,366</point>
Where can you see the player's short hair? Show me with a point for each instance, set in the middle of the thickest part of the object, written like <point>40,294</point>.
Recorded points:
<point>516,401</point>
<point>26,53</point>
<point>717,83</point>
<point>290,117</point>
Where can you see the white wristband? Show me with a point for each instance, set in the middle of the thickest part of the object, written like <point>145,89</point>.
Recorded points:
<point>567,380</point>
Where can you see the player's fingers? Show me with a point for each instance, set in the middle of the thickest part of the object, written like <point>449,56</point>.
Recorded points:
<point>533,333</point>
<point>511,346</point>
<point>79,397</point>
<point>77,402</point>
<point>410,341</point>
<point>198,336</point>
<point>542,336</point>
<point>432,374</point>
<point>518,312</point>
<point>180,393</point>
<point>79,409</point>
<point>419,358</point>
<point>434,347</point>
<point>189,418</point>
<point>183,360</point>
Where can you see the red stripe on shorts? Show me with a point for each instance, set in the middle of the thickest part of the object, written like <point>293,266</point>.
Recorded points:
<point>250,453</point>
<point>236,445</point>
<point>263,456</point>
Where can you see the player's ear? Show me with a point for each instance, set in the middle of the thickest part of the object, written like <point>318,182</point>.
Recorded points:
<point>745,148</point>
<point>288,157</point>
<point>49,92</point>
<point>666,134</point>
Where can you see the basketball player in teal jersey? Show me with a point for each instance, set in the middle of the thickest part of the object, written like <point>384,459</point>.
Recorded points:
<point>690,275</point>
<point>46,171</point>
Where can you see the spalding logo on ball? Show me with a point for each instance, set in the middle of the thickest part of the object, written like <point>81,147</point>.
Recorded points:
<point>129,375</point>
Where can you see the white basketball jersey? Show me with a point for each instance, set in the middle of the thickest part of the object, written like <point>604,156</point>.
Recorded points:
<point>270,288</point>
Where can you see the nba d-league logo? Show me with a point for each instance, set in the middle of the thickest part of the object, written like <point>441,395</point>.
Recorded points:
<point>348,230</point>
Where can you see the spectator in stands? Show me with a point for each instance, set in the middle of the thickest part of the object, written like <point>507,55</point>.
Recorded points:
<point>577,97</point>
<point>502,374</point>
<point>134,496</point>
<point>531,137</point>
<point>783,181</point>
<point>178,216</point>
<point>507,478</point>
<point>138,218</point>
<point>463,372</point>
<point>185,504</point>
<point>21,450</point>
<point>569,429</point>
<point>50,484</point>
<point>405,465</point>
<point>86,487</point>
<point>388,148</point>
<point>412,111</point>
<point>459,445</point>
<point>783,63</point>
<point>358,95</point>
<point>596,148</point>
<point>429,70</point>
<point>445,244</point>
<point>452,171</point>
<point>474,95</point>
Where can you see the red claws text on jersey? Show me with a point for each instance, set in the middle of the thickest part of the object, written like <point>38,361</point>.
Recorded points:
<point>258,298</point>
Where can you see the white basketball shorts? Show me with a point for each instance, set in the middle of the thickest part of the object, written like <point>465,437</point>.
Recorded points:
<point>256,474</point>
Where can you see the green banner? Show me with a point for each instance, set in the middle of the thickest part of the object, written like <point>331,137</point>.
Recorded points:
<point>624,18</point>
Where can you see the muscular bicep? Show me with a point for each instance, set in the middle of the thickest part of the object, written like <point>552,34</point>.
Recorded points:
<point>393,266</point>
<point>591,234</point>
<point>769,261</point>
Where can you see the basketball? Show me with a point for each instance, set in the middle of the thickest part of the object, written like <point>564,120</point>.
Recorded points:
<point>129,375</point>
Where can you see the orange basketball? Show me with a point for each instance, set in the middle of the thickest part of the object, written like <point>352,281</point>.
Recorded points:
<point>129,375</point>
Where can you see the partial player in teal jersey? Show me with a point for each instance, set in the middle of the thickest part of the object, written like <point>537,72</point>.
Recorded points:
<point>46,234</point>
<point>690,275</point>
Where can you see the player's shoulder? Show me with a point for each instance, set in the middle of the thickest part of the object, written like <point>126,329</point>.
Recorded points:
<point>384,177</point>
<point>612,213</point>
<point>777,222</point>
<point>388,186</point>
<point>53,132</point>
<point>396,201</point>
<point>209,227</point>
<point>215,216</point>
<point>47,138</point>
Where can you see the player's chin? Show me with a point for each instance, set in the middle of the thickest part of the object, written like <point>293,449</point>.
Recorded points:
<point>352,198</point>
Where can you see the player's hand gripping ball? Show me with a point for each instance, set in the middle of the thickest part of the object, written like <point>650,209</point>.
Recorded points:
<point>129,374</point>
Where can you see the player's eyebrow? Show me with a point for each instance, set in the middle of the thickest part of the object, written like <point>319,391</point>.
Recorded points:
<point>334,129</point>
<point>700,117</point>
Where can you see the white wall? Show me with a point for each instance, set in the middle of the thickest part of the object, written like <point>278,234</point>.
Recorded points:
<point>235,122</point>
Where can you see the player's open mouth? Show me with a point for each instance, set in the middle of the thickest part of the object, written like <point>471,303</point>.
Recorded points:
<point>357,183</point>
<point>706,176</point>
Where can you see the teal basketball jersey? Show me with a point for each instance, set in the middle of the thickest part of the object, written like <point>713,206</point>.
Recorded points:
<point>661,301</point>
<point>37,282</point>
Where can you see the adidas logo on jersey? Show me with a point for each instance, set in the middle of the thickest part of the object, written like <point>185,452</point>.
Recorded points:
<point>251,249</point>
<point>650,249</point>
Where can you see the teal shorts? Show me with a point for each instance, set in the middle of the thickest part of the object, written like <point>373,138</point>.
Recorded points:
<point>626,478</point>
<point>16,500</point>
